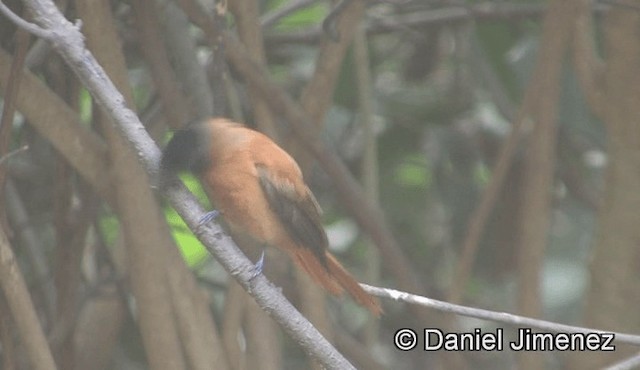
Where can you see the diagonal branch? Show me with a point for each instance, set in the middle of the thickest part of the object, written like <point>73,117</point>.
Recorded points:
<point>21,306</point>
<point>69,43</point>
<point>501,317</point>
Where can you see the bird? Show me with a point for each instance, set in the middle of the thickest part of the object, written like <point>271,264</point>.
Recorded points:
<point>259,190</point>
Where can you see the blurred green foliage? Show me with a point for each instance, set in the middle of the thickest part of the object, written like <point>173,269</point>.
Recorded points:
<point>305,17</point>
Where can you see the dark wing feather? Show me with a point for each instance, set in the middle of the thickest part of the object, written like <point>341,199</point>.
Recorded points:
<point>299,213</point>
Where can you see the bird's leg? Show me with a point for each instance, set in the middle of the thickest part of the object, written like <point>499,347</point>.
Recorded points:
<point>257,268</point>
<point>208,217</point>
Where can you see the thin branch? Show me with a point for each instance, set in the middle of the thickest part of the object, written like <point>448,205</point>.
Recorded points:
<point>370,163</point>
<point>8,156</point>
<point>174,102</point>
<point>182,51</point>
<point>630,363</point>
<point>317,95</point>
<point>69,43</point>
<point>246,13</point>
<point>502,317</point>
<point>588,65</point>
<point>27,26</point>
<point>621,4</point>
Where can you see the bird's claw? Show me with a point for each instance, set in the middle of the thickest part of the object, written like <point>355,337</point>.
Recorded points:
<point>257,268</point>
<point>208,217</point>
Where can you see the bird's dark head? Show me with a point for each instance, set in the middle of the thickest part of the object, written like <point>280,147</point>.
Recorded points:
<point>188,150</point>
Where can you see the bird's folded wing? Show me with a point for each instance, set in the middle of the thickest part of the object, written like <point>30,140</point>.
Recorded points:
<point>297,209</point>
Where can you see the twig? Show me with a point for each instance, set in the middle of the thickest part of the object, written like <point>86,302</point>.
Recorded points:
<point>502,317</point>
<point>28,26</point>
<point>621,4</point>
<point>632,362</point>
<point>12,153</point>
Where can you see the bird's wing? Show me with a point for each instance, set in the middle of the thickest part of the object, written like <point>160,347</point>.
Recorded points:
<point>296,208</point>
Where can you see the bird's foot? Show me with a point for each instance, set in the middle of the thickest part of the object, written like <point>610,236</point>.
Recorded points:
<point>208,217</point>
<point>257,268</point>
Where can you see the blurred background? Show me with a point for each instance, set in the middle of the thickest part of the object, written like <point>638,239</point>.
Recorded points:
<point>494,146</point>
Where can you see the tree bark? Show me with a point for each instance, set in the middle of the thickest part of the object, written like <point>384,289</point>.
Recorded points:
<point>614,297</point>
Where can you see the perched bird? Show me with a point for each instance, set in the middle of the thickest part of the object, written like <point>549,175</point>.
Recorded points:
<point>259,190</point>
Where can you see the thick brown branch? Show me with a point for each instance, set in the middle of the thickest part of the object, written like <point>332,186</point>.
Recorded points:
<point>24,314</point>
<point>57,122</point>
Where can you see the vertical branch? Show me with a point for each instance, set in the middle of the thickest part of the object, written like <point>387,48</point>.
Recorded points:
<point>9,348</point>
<point>369,160</point>
<point>539,166</point>
<point>174,104</point>
<point>246,13</point>
<point>613,295</point>
<point>183,52</point>
<point>198,334</point>
<point>10,97</point>
<point>234,310</point>
<point>24,314</point>
<point>317,96</point>
<point>136,205</point>
<point>589,68</point>
<point>264,348</point>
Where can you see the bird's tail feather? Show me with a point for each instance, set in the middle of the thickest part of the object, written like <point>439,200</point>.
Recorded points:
<point>335,278</point>
<point>352,286</point>
<point>310,263</point>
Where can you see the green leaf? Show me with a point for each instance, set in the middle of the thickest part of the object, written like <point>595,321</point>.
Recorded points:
<point>190,247</point>
<point>413,172</point>
<point>303,18</point>
<point>86,106</point>
<point>110,228</point>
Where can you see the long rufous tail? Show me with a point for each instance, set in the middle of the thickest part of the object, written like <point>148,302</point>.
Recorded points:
<point>335,278</point>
